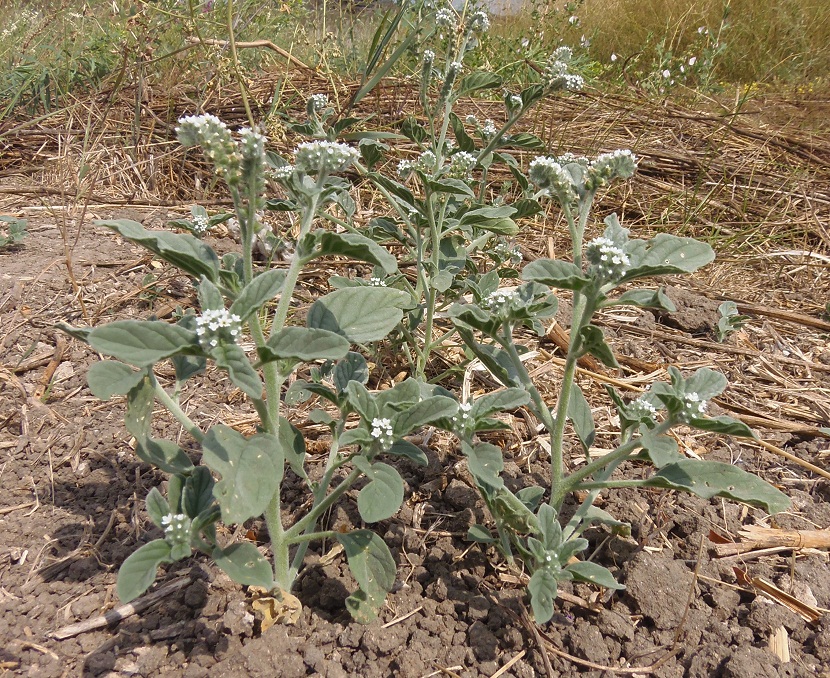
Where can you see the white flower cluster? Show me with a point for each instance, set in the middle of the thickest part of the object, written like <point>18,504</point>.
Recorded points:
<point>500,301</point>
<point>282,173</point>
<point>252,145</point>
<point>508,253</point>
<point>376,282</point>
<point>382,432</point>
<point>461,165</point>
<point>217,325</point>
<point>555,72</point>
<point>608,261</point>
<point>471,120</point>
<point>318,102</point>
<point>201,224</point>
<point>546,173</point>
<point>425,162</point>
<point>479,23</point>
<point>428,57</point>
<point>176,528</point>
<point>619,164</point>
<point>693,407</point>
<point>489,129</point>
<point>462,418</point>
<point>642,409</point>
<point>216,141</point>
<point>325,157</point>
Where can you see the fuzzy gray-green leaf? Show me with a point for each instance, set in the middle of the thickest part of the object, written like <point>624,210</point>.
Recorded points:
<point>259,291</point>
<point>251,471</point>
<point>373,568</point>
<point>232,358</point>
<point>304,343</point>
<point>139,570</point>
<point>542,588</point>
<point>382,496</point>
<point>141,342</point>
<point>110,377</point>
<point>245,565</point>
<point>361,314</point>
<point>594,574</point>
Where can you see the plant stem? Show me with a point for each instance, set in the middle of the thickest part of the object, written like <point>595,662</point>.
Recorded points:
<point>316,511</point>
<point>173,407</point>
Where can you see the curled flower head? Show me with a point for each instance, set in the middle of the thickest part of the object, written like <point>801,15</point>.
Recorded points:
<point>325,157</point>
<point>500,302</point>
<point>318,102</point>
<point>382,432</point>
<point>445,18</point>
<point>619,164</point>
<point>374,281</point>
<point>176,528</point>
<point>428,56</point>
<point>461,165</point>
<point>479,23</point>
<point>216,142</point>
<point>471,120</point>
<point>282,173</point>
<point>641,409</point>
<point>216,326</point>
<point>405,168</point>
<point>609,262</point>
<point>426,162</point>
<point>556,73</point>
<point>488,129</point>
<point>546,173</point>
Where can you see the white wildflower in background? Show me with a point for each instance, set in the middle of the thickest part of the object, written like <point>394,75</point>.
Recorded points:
<point>405,168</point>
<point>667,73</point>
<point>428,56</point>
<point>282,173</point>
<point>382,432</point>
<point>216,142</point>
<point>445,18</point>
<point>376,282</point>
<point>500,301</point>
<point>217,326</point>
<point>201,224</point>
<point>573,20</point>
<point>324,157</point>
<point>692,61</point>
<point>318,102</point>
<point>472,120</point>
<point>555,72</point>
<point>426,161</point>
<point>609,261</point>
<point>613,58</point>
<point>642,409</point>
<point>462,418</point>
<point>619,164</point>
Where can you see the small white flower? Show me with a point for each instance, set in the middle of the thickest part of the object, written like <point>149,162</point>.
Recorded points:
<point>176,528</point>
<point>641,408</point>
<point>584,42</point>
<point>525,43</point>
<point>382,431</point>
<point>701,30</point>
<point>445,18</point>
<point>461,165</point>
<point>613,58</point>
<point>405,168</point>
<point>500,301</point>
<point>282,173</point>
<point>201,224</point>
<point>462,418</point>
<point>217,326</point>
<point>318,102</point>
<point>479,22</point>
<point>692,61</point>
<point>376,282</point>
<point>608,261</point>
<point>471,120</point>
<point>428,56</point>
<point>573,20</point>
<point>489,128</point>
<point>667,73</point>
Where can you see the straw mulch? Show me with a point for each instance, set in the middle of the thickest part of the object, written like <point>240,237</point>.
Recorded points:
<point>753,182</point>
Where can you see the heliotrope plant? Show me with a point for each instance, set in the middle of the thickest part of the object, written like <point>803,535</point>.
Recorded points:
<point>526,526</point>
<point>240,477</point>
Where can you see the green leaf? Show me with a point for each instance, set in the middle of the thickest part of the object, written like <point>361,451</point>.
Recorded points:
<point>709,479</point>
<point>480,534</point>
<point>79,333</point>
<point>644,299</point>
<point>579,412</point>
<point>383,495</point>
<point>352,367</point>
<point>549,528</point>
<point>251,471</point>
<point>542,588</point>
<point>142,343</point>
<point>706,383</point>
<point>209,296</point>
<point>256,293</point>
<point>372,152</point>
<point>356,246</point>
<point>182,250</point>
<point>423,412</point>
<point>463,140</point>
<point>526,207</point>
<point>523,140</point>
<point>501,401</point>
<point>139,414</point>
<point>413,130</point>
<point>139,570</point>
<point>403,448</point>
<point>372,567</point>
<point>361,400</point>
<point>232,358</point>
<point>475,317</point>
<point>110,377</point>
<point>303,343</point>
<point>594,574</point>
<point>593,342</point>
<point>157,507</point>
<point>723,424</point>
<point>665,254</point>
<point>451,186</point>
<point>165,454</point>
<point>531,496</point>
<point>361,314</point>
<point>245,565</point>
<point>478,80</point>
<point>198,492</point>
<point>187,366</point>
<point>661,449</point>
<point>562,275</point>
<point>292,443</point>
<point>485,462</point>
